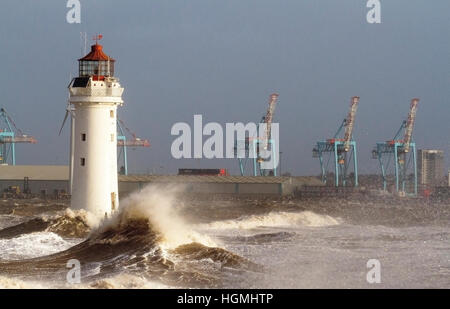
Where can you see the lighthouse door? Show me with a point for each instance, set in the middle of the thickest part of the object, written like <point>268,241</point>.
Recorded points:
<point>113,201</point>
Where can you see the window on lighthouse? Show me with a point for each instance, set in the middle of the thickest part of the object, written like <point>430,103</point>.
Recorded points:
<point>83,161</point>
<point>83,137</point>
<point>96,68</point>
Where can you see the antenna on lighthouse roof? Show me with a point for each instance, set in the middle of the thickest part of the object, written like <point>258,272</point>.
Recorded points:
<point>83,42</point>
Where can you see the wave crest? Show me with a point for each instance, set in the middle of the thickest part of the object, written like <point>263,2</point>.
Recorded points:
<point>71,225</point>
<point>275,219</point>
<point>158,206</point>
<point>146,237</point>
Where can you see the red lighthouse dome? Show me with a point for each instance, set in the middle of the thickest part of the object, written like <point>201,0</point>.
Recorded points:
<point>96,64</point>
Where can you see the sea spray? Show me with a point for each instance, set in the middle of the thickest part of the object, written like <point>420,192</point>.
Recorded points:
<point>157,204</point>
<point>147,237</point>
<point>71,224</point>
<point>88,218</point>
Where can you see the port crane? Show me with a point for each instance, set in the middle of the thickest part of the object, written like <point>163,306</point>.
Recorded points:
<point>340,150</point>
<point>123,143</point>
<point>403,152</point>
<point>10,135</point>
<point>259,144</point>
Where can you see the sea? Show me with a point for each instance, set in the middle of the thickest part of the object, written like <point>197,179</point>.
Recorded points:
<point>163,238</point>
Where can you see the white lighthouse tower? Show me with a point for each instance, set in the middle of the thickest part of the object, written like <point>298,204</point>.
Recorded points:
<point>94,97</point>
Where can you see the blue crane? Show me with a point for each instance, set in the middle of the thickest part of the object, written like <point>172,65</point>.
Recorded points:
<point>342,151</point>
<point>259,144</point>
<point>404,155</point>
<point>10,135</point>
<point>123,143</point>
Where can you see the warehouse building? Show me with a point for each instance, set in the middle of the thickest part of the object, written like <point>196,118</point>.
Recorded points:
<point>50,179</point>
<point>221,185</point>
<point>35,178</point>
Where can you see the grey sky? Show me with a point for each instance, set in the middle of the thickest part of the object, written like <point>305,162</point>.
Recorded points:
<point>222,59</point>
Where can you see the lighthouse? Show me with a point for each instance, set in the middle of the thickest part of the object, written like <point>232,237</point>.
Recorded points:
<point>94,97</point>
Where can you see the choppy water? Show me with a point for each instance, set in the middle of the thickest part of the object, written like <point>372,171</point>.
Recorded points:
<point>161,240</point>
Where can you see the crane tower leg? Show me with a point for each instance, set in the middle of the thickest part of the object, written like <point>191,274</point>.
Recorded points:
<point>355,164</point>
<point>274,157</point>
<point>396,168</point>
<point>336,166</point>
<point>414,154</point>
<point>255,158</point>
<point>241,167</point>
<point>13,153</point>
<point>322,168</point>
<point>125,160</point>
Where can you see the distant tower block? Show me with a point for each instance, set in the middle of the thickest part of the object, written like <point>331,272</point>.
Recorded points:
<point>94,97</point>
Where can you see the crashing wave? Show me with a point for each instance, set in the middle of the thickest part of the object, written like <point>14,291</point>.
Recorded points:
<point>274,219</point>
<point>70,224</point>
<point>33,245</point>
<point>147,236</point>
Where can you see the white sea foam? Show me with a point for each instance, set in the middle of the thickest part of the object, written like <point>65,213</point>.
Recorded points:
<point>9,220</point>
<point>122,281</point>
<point>158,205</point>
<point>33,245</point>
<point>274,219</point>
<point>14,283</point>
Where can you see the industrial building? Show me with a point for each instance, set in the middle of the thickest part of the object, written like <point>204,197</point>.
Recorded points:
<point>35,179</point>
<point>221,185</point>
<point>54,178</point>
<point>430,167</point>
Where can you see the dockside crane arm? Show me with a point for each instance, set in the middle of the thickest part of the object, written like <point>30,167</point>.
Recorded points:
<point>409,125</point>
<point>135,142</point>
<point>267,119</point>
<point>17,135</point>
<point>350,122</point>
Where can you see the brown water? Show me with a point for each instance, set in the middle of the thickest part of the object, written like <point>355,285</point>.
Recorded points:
<point>162,240</point>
